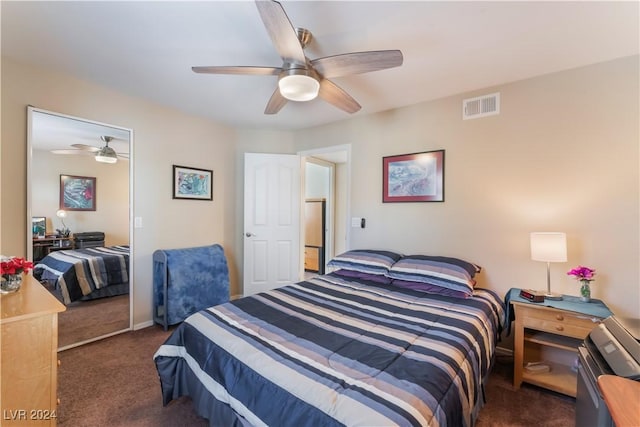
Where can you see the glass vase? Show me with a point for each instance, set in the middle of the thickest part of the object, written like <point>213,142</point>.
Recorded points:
<point>585,292</point>
<point>10,283</point>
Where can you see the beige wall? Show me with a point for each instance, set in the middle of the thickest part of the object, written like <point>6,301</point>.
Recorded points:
<point>161,137</point>
<point>112,195</point>
<point>563,155</point>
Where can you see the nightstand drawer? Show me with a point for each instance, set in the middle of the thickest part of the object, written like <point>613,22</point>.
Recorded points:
<point>565,328</point>
<point>556,321</point>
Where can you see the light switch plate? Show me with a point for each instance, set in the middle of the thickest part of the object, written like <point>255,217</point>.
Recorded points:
<point>355,222</point>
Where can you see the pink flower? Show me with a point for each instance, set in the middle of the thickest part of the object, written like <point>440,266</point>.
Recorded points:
<point>584,274</point>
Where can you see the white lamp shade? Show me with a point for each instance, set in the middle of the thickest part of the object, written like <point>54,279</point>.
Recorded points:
<point>549,247</point>
<point>298,87</point>
<point>61,214</point>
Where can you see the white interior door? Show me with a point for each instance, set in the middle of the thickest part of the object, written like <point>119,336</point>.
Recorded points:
<point>272,206</point>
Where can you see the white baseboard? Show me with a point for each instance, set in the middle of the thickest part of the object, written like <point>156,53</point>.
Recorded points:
<point>237,296</point>
<point>143,325</point>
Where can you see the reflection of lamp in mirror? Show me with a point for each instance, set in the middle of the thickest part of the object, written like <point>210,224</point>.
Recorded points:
<point>549,247</point>
<point>64,231</point>
<point>106,154</point>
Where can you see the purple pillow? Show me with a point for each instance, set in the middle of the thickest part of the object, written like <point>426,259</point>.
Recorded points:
<point>429,288</point>
<point>352,274</point>
<point>450,273</point>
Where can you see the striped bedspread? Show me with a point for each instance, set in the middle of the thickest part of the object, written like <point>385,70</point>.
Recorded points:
<point>335,351</point>
<point>77,273</point>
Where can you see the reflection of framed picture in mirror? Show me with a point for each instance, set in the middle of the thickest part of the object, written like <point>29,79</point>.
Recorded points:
<point>39,226</point>
<point>77,193</point>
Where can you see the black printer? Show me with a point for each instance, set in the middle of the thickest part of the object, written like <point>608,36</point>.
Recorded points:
<point>88,239</point>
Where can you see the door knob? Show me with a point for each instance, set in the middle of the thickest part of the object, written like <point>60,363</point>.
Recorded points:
<point>249,234</point>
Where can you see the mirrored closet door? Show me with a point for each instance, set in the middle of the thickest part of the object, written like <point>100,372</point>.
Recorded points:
<point>79,208</point>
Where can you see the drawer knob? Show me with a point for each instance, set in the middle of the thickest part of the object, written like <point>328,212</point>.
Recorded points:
<point>559,317</point>
<point>560,328</point>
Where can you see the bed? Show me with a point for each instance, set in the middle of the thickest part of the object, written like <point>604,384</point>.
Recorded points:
<point>346,348</point>
<point>85,274</point>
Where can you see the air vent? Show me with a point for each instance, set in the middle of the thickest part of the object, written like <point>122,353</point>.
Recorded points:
<point>482,106</point>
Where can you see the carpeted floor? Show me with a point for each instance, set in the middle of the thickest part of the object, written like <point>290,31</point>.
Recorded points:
<point>113,382</point>
<point>84,320</point>
<point>529,406</point>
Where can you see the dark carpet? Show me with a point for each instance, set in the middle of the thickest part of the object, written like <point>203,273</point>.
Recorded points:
<point>84,320</point>
<point>114,382</point>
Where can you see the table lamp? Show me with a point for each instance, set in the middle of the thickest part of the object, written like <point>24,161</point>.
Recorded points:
<point>549,247</point>
<point>64,231</point>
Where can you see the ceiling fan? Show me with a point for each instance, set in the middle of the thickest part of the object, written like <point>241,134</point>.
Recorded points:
<point>302,79</point>
<point>104,154</point>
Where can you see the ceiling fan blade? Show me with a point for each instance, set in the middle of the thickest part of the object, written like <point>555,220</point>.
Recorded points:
<point>257,71</point>
<point>282,33</point>
<point>85,147</point>
<point>74,152</point>
<point>337,97</point>
<point>123,155</point>
<point>357,62</point>
<point>276,102</point>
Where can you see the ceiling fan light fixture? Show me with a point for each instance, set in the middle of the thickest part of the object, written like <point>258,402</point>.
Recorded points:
<point>298,86</point>
<point>106,155</point>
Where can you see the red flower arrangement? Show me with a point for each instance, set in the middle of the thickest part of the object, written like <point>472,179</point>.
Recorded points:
<point>15,266</point>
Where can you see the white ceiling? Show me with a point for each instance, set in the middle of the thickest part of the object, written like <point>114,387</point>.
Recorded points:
<point>56,132</point>
<point>146,49</point>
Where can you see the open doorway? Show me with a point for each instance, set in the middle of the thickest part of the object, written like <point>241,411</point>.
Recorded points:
<point>325,200</point>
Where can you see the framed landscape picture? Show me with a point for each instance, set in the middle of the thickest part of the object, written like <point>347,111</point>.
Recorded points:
<point>77,193</point>
<point>192,183</point>
<point>39,226</point>
<point>416,177</point>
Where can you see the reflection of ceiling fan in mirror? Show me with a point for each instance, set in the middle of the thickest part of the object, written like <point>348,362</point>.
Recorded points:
<point>302,79</point>
<point>104,154</point>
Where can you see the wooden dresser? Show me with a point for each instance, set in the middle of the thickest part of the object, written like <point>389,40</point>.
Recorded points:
<point>28,356</point>
<point>314,235</point>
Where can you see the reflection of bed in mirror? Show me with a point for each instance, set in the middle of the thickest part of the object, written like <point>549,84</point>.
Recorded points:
<point>93,283</point>
<point>85,274</point>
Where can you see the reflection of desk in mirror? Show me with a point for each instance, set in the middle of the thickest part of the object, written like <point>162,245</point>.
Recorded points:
<point>44,246</point>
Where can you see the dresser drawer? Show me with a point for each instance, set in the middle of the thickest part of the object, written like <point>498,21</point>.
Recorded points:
<point>311,258</point>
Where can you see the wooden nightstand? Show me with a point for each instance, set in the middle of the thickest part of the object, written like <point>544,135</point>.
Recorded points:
<point>551,332</point>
